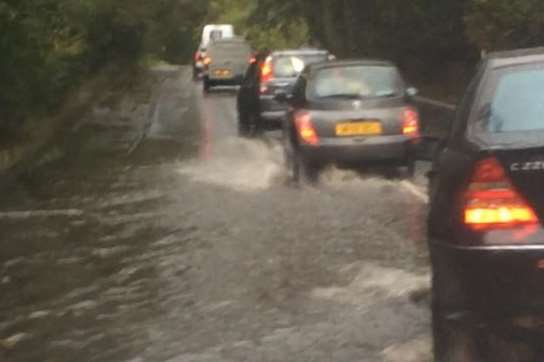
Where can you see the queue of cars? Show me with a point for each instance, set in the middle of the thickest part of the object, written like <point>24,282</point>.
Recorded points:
<point>485,230</point>
<point>348,113</point>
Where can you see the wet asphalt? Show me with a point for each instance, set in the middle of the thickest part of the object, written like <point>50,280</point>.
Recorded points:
<point>153,233</point>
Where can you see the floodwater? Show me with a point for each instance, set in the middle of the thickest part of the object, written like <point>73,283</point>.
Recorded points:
<point>156,234</point>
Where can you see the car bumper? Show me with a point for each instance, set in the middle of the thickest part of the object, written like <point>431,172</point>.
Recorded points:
<point>398,149</point>
<point>493,281</point>
<point>236,80</point>
<point>271,110</point>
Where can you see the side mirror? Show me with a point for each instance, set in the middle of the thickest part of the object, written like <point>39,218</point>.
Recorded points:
<point>412,91</point>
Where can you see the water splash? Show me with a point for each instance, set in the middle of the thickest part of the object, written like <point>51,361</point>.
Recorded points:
<point>240,164</point>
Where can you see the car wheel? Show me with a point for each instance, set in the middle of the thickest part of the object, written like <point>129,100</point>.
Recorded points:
<point>254,126</point>
<point>454,332</point>
<point>291,165</point>
<point>243,127</point>
<point>453,341</point>
<point>303,172</point>
<point>206,86</point>
<point>409,170</point>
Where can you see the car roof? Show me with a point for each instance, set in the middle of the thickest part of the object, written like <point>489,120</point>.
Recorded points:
<point>235,39</point>
<point>515,57</point>
<point>352,62</point>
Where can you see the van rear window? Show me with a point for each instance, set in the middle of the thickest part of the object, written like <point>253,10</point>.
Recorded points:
<point>230,49</point>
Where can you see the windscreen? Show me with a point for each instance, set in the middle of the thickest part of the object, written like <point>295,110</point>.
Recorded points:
<point>290,66</point>
<point>356,81</point>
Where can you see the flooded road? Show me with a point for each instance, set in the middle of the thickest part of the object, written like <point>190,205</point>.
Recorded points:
<point>155,234</point>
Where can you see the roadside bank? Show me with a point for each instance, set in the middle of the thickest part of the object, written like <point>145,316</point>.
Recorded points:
<point>42,137</point>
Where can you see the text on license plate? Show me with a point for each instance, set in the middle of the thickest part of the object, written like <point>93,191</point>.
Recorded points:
<point>367,128</point>
<point>222,73</point>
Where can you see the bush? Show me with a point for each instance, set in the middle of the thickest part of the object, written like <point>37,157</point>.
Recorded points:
<point>48,46</point>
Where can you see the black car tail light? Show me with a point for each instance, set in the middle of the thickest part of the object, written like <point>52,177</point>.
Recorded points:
<point>491,200</point>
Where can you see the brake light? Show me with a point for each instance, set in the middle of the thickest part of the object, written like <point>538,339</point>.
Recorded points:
<point>207,61</point>
<point>305,128</point>
<point>410,122</point>
<point>492,201</point>
<point>267,74</point>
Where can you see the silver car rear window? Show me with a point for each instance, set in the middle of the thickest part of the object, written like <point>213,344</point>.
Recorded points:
<point>356,81</point>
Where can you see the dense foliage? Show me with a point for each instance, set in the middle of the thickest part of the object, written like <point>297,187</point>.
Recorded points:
<point>48,46</point>
<point>435,41</point>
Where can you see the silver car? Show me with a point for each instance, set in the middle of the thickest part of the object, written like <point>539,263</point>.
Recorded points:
<point>350,113</point>
<point>226,62</point>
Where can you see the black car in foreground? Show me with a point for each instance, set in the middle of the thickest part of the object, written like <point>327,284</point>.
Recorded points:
<point>352,114</point>
<point>486,234</point>
<point>271,72</point>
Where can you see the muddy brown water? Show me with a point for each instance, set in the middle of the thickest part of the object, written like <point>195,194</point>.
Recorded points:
<point>161,236</point>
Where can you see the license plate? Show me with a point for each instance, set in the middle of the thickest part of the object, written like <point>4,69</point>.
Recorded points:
<point>222,73</point>
<point>366,128</point>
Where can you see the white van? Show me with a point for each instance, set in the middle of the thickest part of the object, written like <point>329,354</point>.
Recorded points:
<point>216,32</point>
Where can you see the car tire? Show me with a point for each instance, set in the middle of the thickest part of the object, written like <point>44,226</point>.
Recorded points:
<point>454,341</point>
<point>409,170</point>
<point>453,331</point>
<point>289,155</point>
<point>300,171</point>
<point>206,86</point>
<point>244,129</point>
<point>254,126</point>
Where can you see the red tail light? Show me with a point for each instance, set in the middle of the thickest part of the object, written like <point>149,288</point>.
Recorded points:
<point>267,74</point>
<point>305,129</point>
<point>410,122</point>
<point>492,201</point>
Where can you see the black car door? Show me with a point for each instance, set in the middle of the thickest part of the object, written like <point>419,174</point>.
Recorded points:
<point>297,100</point>
<point>245,94</point>
<point>449,165</point>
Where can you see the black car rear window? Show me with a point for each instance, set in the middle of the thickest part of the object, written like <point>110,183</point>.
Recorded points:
<point>511,106</point>
<point>518,102</point>
<point>358,81</point>
<point>290,66</point>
